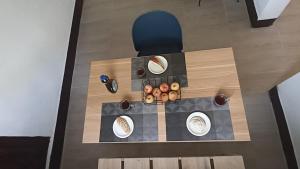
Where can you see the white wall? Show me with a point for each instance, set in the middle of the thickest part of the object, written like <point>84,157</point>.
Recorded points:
<point>289,94</point>
<point>260,5</point>
<point>34,37</point>
<point>270,9</point>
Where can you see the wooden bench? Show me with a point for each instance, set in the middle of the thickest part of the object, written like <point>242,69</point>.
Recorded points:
<point>216,162</point>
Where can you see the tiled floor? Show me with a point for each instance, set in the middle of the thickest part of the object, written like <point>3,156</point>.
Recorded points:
<point>264,57</point>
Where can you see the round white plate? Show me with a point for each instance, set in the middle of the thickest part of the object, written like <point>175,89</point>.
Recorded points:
<point>198,124</point>
<point>157,69</point>
<point>119,132</point>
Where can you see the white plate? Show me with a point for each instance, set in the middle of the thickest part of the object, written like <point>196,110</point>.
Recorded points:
<point>119,132</point>
<point>157,69</point>
<point>198,124</point>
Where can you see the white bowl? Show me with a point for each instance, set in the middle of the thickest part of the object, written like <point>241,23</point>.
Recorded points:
<point>119,132</point>
<point>198,124</point>
<point>155,68</point>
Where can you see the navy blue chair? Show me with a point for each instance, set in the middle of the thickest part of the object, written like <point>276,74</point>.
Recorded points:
<point>157,32</point>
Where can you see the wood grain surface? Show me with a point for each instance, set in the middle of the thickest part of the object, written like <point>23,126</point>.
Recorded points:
<point>219,162</point>
<point>161,123</point>
<point>136,163</point>
<point>195,163</point>
<point>229,162</point>
<point>109,163</point>
<point>209,72</point>
<point>165,163</point>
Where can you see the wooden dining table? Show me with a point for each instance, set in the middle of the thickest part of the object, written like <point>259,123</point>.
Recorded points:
<point>209,72</point>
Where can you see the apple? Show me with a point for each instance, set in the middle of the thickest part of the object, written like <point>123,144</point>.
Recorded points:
<point>148,89</point>
<point>164,87</point>
<point>156,92</point>
<point>164,97</point>
<point>173,95</point>
<point>149,99</point>
<point>175,86</point>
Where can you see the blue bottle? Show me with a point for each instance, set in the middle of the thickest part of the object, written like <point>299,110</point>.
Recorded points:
<point>111,84</point>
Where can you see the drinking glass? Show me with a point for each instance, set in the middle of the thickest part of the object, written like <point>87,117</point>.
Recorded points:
<point>140,72</point>
<point>220,99</point>
<point>125,104</point>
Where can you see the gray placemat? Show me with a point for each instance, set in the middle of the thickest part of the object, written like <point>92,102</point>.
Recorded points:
<point>177,113</point>
<point>144,118</point>
<point>176,67</point>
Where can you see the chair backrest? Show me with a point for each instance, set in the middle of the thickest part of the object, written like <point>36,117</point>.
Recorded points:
<point>157,31</point>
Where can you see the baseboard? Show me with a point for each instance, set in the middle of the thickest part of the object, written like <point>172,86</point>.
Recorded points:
<point>23,152</point>
<point>283,129</point>
<point>58,140</point>
<point>255,23</point>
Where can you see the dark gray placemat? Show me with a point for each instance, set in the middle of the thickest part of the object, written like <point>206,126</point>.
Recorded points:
<point>176,67</point>
<point>177,113</point>
<point>144,118</point>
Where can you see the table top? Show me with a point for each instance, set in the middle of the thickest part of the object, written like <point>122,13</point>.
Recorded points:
<point>209,72</point>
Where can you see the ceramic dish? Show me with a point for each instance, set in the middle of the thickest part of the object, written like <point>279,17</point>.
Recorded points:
<point>157,68</point>
<point>198,124</point>
<point>119,132</point>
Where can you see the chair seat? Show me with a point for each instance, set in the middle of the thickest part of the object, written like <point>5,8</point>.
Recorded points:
<point>157,32</point>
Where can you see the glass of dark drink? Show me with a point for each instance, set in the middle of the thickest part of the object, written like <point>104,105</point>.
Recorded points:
<point>140,72</point>
<point>125,105</point>
<point>221,100</point>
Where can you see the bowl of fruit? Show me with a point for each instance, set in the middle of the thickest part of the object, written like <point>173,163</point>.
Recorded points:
<point>161,93</point>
